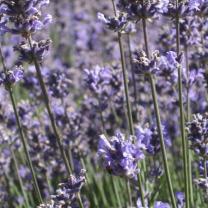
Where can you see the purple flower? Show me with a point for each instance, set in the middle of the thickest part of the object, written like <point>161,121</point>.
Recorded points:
<point>136,10</point>
<point>23,17</point>
<point>40,49</point>
<point>11,76</point>
<point>105,84</point>
<point>180,196</point>
<point>116,24</point>
<point>202,183</point>
<point>159,204</point>
<point>198,134</point>
<point>59,81</point>
<point>143,64</point>
<point>148,136</point>
<point>168,67</point>
<point>195,4</point>
<point>119,155</point>
<point>67,192</point>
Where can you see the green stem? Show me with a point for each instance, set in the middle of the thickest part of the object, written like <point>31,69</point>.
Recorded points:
<point>182,122</point>
<point>91,192</point>
<point>125,80</point>
<point>50,113</point>
<point>132,71</point>
<point>129,113</point>
<point>189,158</point>
<point>70,155</point>
<point>37,190</point>
<point>9,192</point>
<point>115,187</point>
<point>47,104</point>
<point>129,192</point>
<point>19,178</point>
<point>145,36</point>
<point>205,168</point>
<point>159,126</point>
<point>162,144</point>
<point>22,136</point>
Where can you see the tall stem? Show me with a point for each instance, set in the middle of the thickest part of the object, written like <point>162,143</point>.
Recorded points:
<point>189,158</point>
<point>159,126</point>
<point>19,177</point>
<point>162,144</point>
<point>9,192</point>
<point>115,187</point>
<point>132,71</point>
<point>125,80</point>
<point>22,136</point>
<point>205,168</point>
<point>129,113</point>
<point>50,113</point>
<point>182,122</point>
<point>145,36</point>
<point>51,116</point>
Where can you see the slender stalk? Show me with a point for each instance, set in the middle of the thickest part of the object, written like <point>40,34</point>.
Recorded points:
<point>145,36</point>
<point>132,71</point>
<point>116,192</point>
<point>125,80</point>
<point>47,104</point>
<point>159,126</point>
<point>9,192</point>
<point>162,144</point>
<point>22,136</point>
<point>205,171</point>
<point>91,192</point>
<point>187,145</point>
<point>188,87</point>
<point>51,116</point>
<point>141,188</point>
<point>182,122</point>
<point>69,152</point>
<point>129,113</point>
<point>19,178</point>
<point>129,193</point>
<point>37,189</point>
<point>101,117</point>
<point>205,168</point>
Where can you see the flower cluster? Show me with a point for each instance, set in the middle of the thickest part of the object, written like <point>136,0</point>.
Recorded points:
<point>150,138</point>
<point>198,134</point>
<point>11,76</point>
<point>22,17</point>
<point>164,66</point>
<point>168,67</point>
<point>67,192</point>
<point>137,10</point>
<point>116,24</point>
<point>157,204</point>
<point>202,183</point>
<point>39,50</point>
<point>160,204</point>
<point>143,64</point>
<point>105,83</point>
<point>59,81</point>
<point>120,156</point>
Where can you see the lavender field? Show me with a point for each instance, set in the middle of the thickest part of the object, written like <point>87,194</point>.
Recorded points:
<point>104,104</point>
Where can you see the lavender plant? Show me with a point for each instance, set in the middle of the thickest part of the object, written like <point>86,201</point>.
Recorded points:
<point>103,105</point>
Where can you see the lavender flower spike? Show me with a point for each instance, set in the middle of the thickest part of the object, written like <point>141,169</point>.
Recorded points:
<point>67,193</point>
<point>120,156</point>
